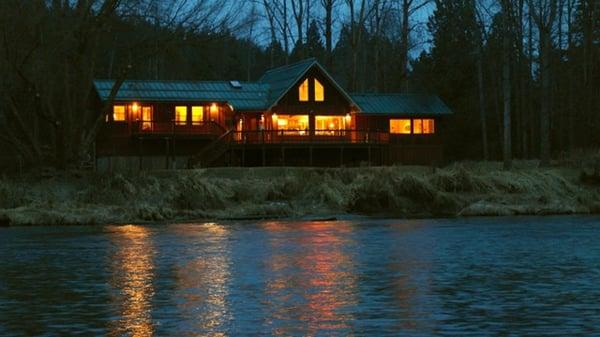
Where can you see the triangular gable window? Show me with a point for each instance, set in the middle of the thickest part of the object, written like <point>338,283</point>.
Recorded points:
<point>319,91</point>
<point>303,91</point>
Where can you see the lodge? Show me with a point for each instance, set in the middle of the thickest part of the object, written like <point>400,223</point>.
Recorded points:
<point>293,115</point>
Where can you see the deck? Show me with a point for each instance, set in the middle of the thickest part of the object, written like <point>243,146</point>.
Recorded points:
<point>209,141</point>
<point>315,137</point>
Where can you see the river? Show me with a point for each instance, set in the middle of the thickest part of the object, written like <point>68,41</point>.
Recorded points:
<point>522,276</point>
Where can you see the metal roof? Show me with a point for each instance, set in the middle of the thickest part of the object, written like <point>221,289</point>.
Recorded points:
<point>281,79</point>
<point>401,104</point>
<point>251,96</point>
<point>265,93</point>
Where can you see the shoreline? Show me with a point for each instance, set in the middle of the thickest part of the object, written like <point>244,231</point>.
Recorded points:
<point>332,218</point>
<point>275,193</point>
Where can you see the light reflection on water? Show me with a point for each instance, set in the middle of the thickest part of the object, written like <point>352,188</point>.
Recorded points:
<point>521,276</point>
<point>203,279</point>
<point>319,268</point>
<point>133,273</point>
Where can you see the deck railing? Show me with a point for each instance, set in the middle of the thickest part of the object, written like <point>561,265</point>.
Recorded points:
<point>310,136</point>
<point>179,128</point>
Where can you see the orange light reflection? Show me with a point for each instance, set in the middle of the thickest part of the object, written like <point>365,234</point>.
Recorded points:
<point>319,270</point>
<point>133,272</point>
<point>203,278</point>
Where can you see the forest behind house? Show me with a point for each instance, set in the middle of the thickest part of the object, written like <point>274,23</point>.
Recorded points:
<point>521,76</point>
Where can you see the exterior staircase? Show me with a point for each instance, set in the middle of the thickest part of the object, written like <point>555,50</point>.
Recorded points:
<point>210,154</point>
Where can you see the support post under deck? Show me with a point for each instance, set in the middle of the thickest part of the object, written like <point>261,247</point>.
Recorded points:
<point>167,153</point>
<point>243,155</point>
<point>140,159</point>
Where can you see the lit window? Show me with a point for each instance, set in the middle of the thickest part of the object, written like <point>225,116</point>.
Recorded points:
<point>417,126</point>
<point>180,115</point>
<point>401,126</point>
<point>319,91</point>
<point>146,118</point>
<point>214,111</point>
<point>328,125</point>
<point>292,124</point>
<point>428,126</point>
<point>424,126</point>
<point>197,114</point>
<point>119,113</point>
<point>303,91</point>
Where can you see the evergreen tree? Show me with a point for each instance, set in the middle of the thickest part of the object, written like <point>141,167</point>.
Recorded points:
<point>314,45</point>
<point>450,73</point>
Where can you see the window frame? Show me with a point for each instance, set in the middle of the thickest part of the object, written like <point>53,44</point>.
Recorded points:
<point>194,120</point>
<point>147,123</point>
<point>417,126</point>
<point>410,122</point>
<point>315,82</point>
<point>177,120</point>
<point>114,113</point>
<point>422,122</point>
<point>304,84</point>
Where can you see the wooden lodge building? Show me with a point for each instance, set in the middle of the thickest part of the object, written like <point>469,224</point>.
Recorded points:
<point>293,115</point>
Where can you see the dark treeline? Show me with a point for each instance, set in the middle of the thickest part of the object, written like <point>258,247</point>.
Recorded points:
<point>522,76</point>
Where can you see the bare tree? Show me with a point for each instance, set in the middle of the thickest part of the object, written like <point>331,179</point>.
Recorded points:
<point>544,14</point>
<point>298,10</point>
<point>359,11</point>
<point>406,9</point>
<point>481,34</point>
<point>381,14</point>
<point>506,83</point>
<point>49,98</point>
<point>328,6</point>
<point>270,13</point>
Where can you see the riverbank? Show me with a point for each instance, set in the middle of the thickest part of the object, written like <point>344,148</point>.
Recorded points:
<point>465,189</point>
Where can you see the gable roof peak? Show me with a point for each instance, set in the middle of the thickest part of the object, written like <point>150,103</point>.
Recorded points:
<point>281,79</point>
<point>305,62</point>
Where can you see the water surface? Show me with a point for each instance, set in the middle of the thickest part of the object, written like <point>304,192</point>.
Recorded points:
<point>488,276</point>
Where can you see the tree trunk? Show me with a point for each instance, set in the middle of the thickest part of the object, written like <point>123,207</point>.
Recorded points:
<point>482,114</point>
<point>480,84</point>
<point>328,5</point>
<point>506,90</point>
<point>545,47</point>
<point>404,45</point>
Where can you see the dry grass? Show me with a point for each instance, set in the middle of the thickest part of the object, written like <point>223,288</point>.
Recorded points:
<point>460,189</point>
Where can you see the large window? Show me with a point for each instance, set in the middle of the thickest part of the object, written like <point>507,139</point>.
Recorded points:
<point>414,126</point>
<point>400,126</point>
<point>292,124</point>
<point>180,115</point>
<point>319,91</point>
<point>119,113</point>
<point>303,91</point>
<point>330,125</point>
<point>197,114</point>
<point>424,126</point>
